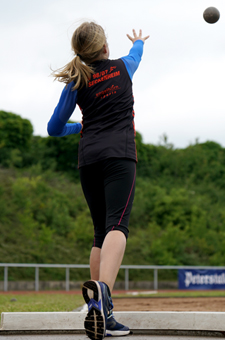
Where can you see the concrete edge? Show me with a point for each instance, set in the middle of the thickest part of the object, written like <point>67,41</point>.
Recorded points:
<point>143,332</point>
<point>137,321</point>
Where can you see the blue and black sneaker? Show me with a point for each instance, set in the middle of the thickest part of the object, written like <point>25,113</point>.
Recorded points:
<point>96,295</point>
<point>114,328</point>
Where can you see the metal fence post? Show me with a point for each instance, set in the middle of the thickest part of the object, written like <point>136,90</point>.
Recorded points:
<point>155,279</point>
<point>5,279</point>
<point>36,279</point>
<point>67,279</point>
<point>126,278</point>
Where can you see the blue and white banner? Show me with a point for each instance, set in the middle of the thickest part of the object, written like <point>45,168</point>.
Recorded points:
<point>201,279</point>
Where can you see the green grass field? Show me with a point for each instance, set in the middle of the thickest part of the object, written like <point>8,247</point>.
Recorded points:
<point>41,302</point>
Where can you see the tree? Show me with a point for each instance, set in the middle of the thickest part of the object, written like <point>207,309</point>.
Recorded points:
<point>15,138</point>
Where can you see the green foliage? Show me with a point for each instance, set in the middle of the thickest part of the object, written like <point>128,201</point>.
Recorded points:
<point>15,138</point>
<point>178,215</point>
<point>65,151</point>
<point>40,216</point>
<point>200,162</point>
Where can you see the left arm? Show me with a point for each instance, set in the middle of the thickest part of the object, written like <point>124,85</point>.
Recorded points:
<point>57,125</point>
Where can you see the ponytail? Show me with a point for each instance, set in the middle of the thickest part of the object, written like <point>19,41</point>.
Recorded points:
<point>75,71</point>
<point>87,43</point>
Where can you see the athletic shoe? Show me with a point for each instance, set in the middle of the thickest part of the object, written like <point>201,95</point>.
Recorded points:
<point>95,294</point>
<point>114,328</point>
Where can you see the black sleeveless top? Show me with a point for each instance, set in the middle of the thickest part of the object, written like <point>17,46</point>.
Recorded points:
<point>108,116</point>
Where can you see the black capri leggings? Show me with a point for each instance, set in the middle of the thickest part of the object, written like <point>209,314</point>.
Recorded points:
<point>109,187</point>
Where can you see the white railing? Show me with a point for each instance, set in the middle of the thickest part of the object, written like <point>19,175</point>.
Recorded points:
<point>69,266</point>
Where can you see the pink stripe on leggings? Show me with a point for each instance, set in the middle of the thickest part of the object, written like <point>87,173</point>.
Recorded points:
<point>127,200</point>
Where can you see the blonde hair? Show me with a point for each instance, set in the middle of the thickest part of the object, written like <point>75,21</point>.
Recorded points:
<point>87,43</point>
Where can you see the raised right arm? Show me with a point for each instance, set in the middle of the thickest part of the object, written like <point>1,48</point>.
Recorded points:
<point>133,59</point>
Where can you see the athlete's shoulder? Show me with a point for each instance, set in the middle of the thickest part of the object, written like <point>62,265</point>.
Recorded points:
<point>116,63</point>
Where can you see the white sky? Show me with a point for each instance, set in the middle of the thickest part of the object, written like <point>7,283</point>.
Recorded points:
<point>178,87</point>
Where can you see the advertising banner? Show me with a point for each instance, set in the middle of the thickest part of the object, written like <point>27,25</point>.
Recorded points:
<point>201,279</point>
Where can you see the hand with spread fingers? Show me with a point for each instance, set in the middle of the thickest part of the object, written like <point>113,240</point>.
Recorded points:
<point>133,39</point>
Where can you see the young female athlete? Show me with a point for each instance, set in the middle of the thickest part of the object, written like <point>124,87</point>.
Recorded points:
<point>107,158</point>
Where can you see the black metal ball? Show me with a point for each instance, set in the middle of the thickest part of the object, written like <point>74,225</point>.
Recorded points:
<point>211,15</point>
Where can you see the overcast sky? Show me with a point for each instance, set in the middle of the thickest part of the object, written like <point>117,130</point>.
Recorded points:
<point>178,88</point>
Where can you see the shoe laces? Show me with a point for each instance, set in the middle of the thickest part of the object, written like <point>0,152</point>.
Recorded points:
<point>110,305</point>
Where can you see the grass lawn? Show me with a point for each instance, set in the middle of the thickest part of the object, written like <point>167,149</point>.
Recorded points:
<point>40,302</point>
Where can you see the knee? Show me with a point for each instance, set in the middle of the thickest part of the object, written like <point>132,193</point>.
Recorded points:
<point>121,228</point>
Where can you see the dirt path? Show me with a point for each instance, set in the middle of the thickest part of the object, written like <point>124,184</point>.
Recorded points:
<point>210,304</point>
